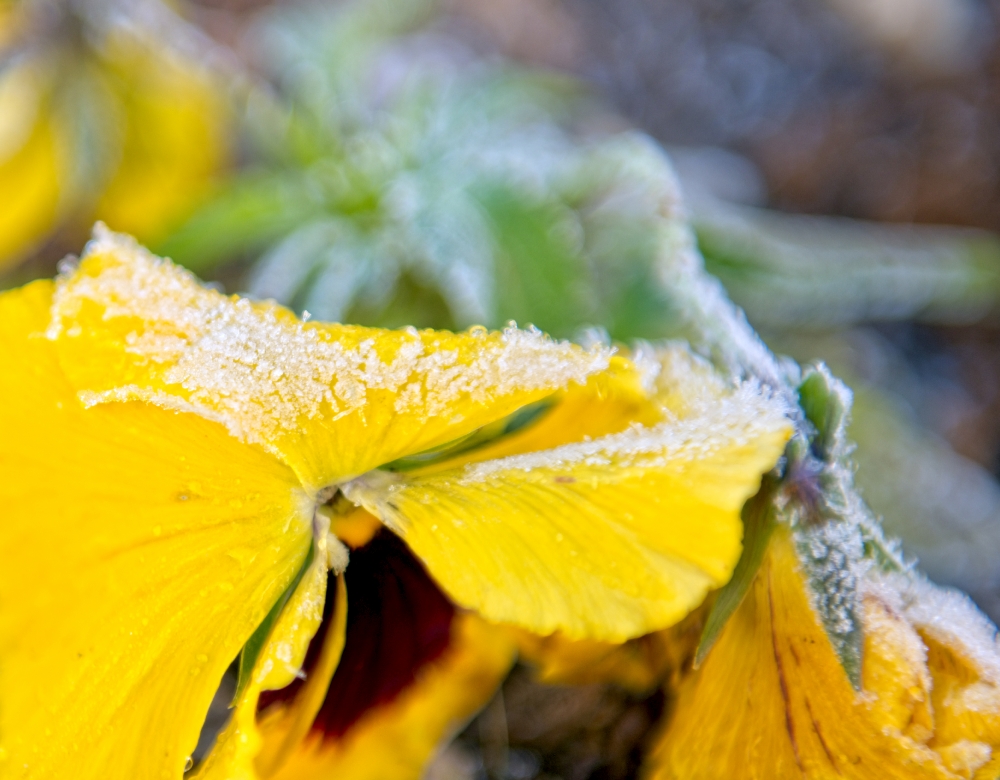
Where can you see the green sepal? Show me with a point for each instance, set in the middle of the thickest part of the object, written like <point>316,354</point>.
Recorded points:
<point>828,553</point>
<point>255,644</point>
<point>758,522</point>
<point>826,402</point>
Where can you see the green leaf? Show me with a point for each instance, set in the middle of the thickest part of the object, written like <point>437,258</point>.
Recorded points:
<point>759,517</point>
<point>249,213</point>
<point>255,644</point>
<point>795,272</point>
<point>540,276</point>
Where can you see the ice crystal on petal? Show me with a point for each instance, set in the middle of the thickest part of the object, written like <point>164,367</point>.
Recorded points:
<point>646,361</point>
<point>944,614</point>
<point>263,372</point>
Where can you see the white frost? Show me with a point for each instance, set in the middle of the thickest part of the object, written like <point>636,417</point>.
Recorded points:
<point>944,614</point>
<point>265,373</point>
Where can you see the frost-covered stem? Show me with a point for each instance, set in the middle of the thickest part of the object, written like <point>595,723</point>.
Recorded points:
<point>837,537</point>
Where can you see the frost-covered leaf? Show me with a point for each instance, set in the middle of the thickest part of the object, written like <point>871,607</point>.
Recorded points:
<point>832,557</point>
<point>837,538</point>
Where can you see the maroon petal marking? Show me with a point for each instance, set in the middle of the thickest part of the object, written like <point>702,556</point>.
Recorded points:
<point>398,621</point>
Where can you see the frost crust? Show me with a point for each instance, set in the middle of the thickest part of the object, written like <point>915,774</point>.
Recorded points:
<point>265,373</point>
<point>944,614</point>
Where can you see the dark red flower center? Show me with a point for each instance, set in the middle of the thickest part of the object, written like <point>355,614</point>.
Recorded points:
<point>398,621</point>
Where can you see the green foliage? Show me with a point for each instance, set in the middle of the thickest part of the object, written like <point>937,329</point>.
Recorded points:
<point>393,175</point>
<point>795,271</point>
<point>826,402</point>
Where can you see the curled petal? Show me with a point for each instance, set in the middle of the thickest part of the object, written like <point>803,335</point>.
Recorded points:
<point>605,539</point>
<point>241,751</point>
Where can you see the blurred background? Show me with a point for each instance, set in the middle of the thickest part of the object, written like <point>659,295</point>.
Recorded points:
<point>476,161</point>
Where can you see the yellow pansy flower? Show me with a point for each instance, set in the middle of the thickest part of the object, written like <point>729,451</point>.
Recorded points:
<point>187,475</point>
<point>772,699</point>
<point>99,115</point>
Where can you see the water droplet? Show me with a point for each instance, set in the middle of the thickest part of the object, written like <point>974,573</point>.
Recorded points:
<point>188,764</point>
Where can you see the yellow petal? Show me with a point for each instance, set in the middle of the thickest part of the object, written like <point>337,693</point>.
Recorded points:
<point>653,384</point>
<point>30,161</point>
<point>281,660</point>
<point>772,700</point>
<point>681,381</point>
<point>398,739</point>
<point>607,539</point>
<point>331,401</point>
<point>140,549</point>
<point>174,136</point>
<point>241,752</point>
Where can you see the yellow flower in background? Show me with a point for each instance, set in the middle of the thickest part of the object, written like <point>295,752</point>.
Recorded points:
<point>183,474</point>
<point>772,699</point>
<point>99,116</point>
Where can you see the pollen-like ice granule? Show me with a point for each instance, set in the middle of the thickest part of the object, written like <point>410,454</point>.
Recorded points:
<point>261,371</point>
